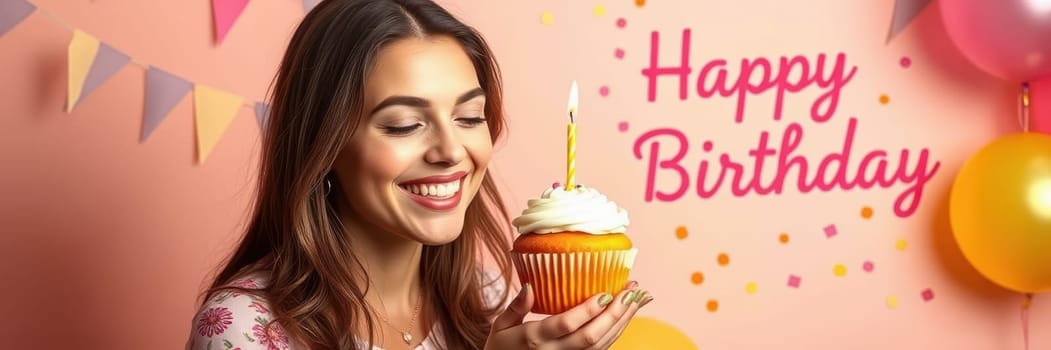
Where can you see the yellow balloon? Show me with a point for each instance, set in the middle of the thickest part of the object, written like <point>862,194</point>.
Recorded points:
<point>1000,211</point>
<point>644,333</point>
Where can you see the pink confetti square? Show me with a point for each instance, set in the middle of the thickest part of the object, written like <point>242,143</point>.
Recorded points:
<point>793,281</point>
<point>830,231</point>
<point>927,294</point>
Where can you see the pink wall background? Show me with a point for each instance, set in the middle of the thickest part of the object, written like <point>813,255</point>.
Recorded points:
<point>107,241</point>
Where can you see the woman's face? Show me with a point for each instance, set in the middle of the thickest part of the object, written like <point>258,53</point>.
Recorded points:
<point>419,154</point>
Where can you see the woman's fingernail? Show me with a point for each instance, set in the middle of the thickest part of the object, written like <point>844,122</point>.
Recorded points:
<point>604,300</point>
<point>628,297</point>
<point>642,295</point>
<point>633,284</point>
<point>647,301</point>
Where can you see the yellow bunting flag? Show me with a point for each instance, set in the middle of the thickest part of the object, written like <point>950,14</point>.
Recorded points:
<point>214,111</point>
<point>82,51</point>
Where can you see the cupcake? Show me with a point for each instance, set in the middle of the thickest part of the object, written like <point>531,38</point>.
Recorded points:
<point>572,245</point>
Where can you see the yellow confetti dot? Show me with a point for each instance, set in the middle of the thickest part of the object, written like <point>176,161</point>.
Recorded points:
<point>884,99</point>
<point>783,238</point>
<point>640,3</point>
<point>697,278</point>
<point>839,270</point>
<point>751,288</point>
<point>713,305</point>
<point>723,259</point>
<point>681,233</point>
<point>892,302</point>
<point>599,10</point>
<point>901,244</point>
<point>866,212</point>
<point>547,18</point>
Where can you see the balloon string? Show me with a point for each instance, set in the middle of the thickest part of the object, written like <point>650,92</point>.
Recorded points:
<point>1025,318</point>
<point>1023,115</point>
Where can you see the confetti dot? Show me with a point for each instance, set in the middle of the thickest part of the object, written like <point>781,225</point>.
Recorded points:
<point>697,278</point>
<point>868,266</point>
<point>794,281</point>
<point>640,3</point>
<point>723,259</point>
<point>892,302</point>
<point>599,10</point>
<point>905,62</point>
<point>621,22</point>
<point>604,91</point>
<point>884,99</point>
<point>927,294</point>
<point>707,146</point>
<point>901,244</point>
<point>618,53</point>
<point>839,270</point>
<point>751,288</point>
<point>555,184</point>
<point>830,231</point>
<point>547,18</point>
<point>712,306</point>
<point>866,212</point>
<point>783,238</point>
<point>681,233</point>
<point>622,126</point>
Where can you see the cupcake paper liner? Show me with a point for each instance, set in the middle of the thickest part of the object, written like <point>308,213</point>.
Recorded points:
<point>563,280</point>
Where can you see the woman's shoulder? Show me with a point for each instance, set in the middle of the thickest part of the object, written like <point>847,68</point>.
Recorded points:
<point>235,319</point>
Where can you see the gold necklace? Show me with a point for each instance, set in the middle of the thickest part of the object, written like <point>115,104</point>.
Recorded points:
<point>406,335</point>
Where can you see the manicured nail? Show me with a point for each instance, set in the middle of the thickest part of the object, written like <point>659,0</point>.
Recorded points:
<point>640,296</point>
<point>633,284</point>
<point>604,300</point>
<point>647,301</point>
<point>628,297</point>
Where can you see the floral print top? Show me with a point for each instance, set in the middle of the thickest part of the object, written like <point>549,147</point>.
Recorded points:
<point>232,320</point>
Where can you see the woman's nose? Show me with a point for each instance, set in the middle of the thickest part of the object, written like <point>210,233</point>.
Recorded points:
<point>447,148</point>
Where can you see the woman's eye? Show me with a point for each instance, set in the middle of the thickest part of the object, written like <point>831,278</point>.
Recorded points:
<point>472,121</point>
<point>401,130</point>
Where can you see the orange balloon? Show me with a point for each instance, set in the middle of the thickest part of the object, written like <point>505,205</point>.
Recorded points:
<point>644,333</point>
<point>1000,211</point>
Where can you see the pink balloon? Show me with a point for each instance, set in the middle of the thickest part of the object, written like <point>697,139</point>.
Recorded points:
<point>1040,106</point>
<point>1010,39</point>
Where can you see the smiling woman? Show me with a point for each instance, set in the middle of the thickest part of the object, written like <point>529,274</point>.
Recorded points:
<point>375,203</point>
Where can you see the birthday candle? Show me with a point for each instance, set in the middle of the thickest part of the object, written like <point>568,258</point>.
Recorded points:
<point>571,135</point>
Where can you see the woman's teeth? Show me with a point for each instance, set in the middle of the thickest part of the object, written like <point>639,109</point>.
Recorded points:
<point>443,190</point>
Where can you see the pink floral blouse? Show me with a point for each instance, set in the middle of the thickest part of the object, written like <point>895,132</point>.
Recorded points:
<point>232,320</point>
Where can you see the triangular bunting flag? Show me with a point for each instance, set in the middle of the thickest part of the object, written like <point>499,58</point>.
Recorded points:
<point>225,13</point>
<point>214,111</point>
<point>262,114</point>
<point>12,12</point>
<point>82,51</point>
<point>163,92</point>
<point>107,62</point>
<point>309,5</point>
<point>904,12</point>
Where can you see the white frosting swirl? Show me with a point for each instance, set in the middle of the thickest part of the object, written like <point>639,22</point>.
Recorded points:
<point>581,209</point>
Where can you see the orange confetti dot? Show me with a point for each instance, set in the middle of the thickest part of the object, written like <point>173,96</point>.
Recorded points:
<point>681,233</point>
<point>697,278</point>
<point>866,212</point>
<point>713,305</point>
<point>723,259</point>
<point>640,3</point>
<point>783,238</point>
<point>884,99</point>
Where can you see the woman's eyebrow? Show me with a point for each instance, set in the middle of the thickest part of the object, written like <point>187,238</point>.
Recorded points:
<point>419,102</point>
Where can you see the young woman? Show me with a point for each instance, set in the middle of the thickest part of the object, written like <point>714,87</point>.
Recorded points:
<point>374,210</point>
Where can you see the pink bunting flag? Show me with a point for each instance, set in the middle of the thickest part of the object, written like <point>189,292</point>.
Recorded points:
<point>163,91</point>
<point>904,12</point>
<point>262,114</point>
<point>309,5</point>
<point>225,13</point>
<point>12,12</point>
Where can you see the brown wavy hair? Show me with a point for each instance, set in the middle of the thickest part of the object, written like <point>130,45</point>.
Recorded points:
<point>294,233</point>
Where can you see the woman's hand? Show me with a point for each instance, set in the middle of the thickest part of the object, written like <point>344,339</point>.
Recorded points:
<point>594,324</point>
